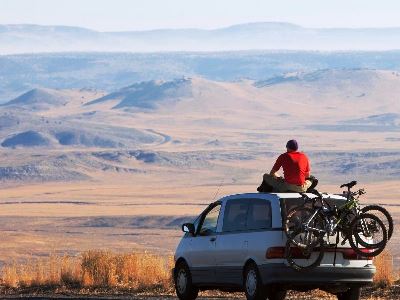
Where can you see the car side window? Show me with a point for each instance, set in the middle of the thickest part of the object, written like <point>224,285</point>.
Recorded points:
<point>235,215</point>
<point>259,214</point>
<point>209,225</point>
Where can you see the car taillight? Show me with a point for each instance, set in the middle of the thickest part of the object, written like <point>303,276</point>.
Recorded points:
<point>279,252</point>
<point>365,251</point>
<point>275,252</point>
<point>349,253</point>
<point>297,253</point>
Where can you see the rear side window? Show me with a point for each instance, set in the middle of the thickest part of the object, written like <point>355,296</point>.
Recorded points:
<point>259,215</point>
<point>290,203</point>
<point>235,215</point>
<point>247,214</point>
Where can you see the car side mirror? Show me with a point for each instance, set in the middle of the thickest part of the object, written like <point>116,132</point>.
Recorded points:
<point>188,227</point>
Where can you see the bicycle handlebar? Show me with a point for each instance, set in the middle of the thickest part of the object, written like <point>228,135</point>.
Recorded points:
<point>359,192</point>
<point>349,185</point>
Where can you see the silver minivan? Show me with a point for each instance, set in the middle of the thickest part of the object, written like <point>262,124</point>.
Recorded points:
<point>237,244</point>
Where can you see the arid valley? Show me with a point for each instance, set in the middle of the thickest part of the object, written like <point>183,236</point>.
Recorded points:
<point>103,155</point>
<point>89,169</point>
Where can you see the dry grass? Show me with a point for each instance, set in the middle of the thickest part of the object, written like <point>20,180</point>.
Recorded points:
<point>385,275</point>
<point>119,272</point>
<point>134,271</point>
<point>51,271</point>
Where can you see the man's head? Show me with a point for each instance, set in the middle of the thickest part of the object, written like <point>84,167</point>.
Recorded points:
<point>292,146</point>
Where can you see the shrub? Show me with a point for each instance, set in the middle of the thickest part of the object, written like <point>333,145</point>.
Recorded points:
<point>138,271</point>
<point>384,275</point>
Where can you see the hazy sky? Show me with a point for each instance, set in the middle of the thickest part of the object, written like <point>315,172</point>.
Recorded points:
<point>115,15</point>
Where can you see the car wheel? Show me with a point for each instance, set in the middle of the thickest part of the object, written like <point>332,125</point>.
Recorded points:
<point>276,294</point>
<point>351,294</point>
<point>253,287</point>
<point>185,290</point>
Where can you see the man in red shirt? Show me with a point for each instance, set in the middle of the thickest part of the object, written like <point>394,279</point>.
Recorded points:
<point>296,170</point>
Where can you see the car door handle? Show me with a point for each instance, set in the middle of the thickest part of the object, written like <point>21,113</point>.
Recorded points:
<point>213,239</point>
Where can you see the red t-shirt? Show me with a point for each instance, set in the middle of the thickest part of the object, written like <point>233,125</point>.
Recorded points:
<point>295,166</point>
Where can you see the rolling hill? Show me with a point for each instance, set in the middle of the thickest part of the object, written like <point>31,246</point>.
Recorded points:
<point>26,139</point>
<point>39,99</point>
<point>147,94</point>
<point>186,125</point>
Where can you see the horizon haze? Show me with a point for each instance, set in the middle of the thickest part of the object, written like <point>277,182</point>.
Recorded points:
<point>136,15</point>
<point>23,38</point>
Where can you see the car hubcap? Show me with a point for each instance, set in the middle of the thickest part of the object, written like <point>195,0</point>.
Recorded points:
<point>181,281</point>
<point>251,282</point>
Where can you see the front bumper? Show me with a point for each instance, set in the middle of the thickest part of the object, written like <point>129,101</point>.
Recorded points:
<point>282,274</point>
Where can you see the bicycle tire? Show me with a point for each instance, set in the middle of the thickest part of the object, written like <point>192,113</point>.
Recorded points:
<point>369,208</point>
<point>380,224</point>
<point>303,264</point>
<point>293,226</point>
<point>374,249</point>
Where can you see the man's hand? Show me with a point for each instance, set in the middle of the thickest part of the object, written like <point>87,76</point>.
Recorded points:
<point>274,173</point>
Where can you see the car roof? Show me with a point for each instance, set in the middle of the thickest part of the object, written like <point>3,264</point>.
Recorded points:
<point>278,196</point>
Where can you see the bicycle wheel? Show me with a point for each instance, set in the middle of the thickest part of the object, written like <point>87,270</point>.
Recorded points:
<point>301,259</point>
<point>298,233</point>
<point>383,215</point>
<point>368,231</point>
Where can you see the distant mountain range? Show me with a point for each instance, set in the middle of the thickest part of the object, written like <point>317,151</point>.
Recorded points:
<point>265,35</point>
<point>112,71</point>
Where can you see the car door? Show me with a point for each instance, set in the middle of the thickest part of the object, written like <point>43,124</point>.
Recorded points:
<point>202,246</point>
<point>260,234</point>
<point>231,247</point>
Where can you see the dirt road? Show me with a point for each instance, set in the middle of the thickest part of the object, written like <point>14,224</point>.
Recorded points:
<point>368,293</point>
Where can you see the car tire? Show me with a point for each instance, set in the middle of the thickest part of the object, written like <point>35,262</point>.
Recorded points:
<point>351,294</point>
<point>276,294</point>
<point>184,288</point>
<point>252,283</point>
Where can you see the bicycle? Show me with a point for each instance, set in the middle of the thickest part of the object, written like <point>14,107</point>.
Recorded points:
<point>306,228</point>
<point>372,209</point>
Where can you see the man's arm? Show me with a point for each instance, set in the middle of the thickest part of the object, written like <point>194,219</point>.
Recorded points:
<point>276,167</point>
<point>308,169</point>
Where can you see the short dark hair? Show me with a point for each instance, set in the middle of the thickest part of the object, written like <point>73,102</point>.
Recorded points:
<point>292,145</point>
